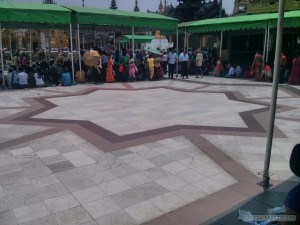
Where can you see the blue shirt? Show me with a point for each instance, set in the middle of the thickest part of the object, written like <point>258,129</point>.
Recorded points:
<point>66,79</point>
<point>172,57</point>
<point>292,200</point>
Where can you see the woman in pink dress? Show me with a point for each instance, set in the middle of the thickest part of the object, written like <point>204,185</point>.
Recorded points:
<point>132,69</point>
<point>294,78</point>
<point>218,67</point>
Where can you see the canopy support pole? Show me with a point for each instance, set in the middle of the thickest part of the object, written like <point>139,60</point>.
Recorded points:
<point>45,44</point>
<point>221,44</point>
<point>83,41</point>
<point>187,42</point>
<point>78,44</point>
<point>266,175</point>
<point>72,59</point>
<point>265,43</point>
<point>114,41</point>
<point>95,38</point>
<point>30,47</point>
<point>10,46</point>
<point>177,52</point>
<point>132,42</point>
<point>268,39</point>
<point>2,61</point>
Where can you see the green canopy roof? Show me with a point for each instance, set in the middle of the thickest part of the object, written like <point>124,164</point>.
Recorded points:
<point>137,38</point>
<point>258,21</point>
<point>33,13</point>
<point>110,17</point>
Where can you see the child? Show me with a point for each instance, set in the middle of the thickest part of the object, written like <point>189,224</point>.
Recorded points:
<point>132,70</point>
<point>268,73</point>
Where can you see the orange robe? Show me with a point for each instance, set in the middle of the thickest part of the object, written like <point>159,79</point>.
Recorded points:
<point>109,71</point>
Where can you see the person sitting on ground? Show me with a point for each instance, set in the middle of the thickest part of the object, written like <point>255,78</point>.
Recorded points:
<point>238,71</point>
<point>66,77</point>
<point>39,78</point>
<point>22,79</point>
<point>231,72</point>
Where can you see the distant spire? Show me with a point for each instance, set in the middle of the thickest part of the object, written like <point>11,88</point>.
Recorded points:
<point>136,7</point>
<point>113,4</point>
<point>160,7</point>
<point>82,3</point>
<point>49,2</point>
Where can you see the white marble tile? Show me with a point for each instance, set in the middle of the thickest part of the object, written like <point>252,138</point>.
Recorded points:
<point>144,211</point>
<point>30,212</point>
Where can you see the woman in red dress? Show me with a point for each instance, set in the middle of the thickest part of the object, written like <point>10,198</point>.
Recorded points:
<point>109,70</point>
<point>257,66</point>
<point>294,78</point>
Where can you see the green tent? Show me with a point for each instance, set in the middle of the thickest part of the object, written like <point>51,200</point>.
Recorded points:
<point>33,13</point>
<point>258,21</point>
<point>110,17</point>
<point>137,38</point>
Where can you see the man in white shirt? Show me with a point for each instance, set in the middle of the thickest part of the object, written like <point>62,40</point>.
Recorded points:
<point>172,57</point>
<point>22,78</point>
<point>184,59</point>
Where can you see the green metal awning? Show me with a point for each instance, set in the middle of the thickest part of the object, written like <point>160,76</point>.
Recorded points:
<point>33,13</point>
<point>110,17</point>
<point>258,21</point>
<point>137,38</point>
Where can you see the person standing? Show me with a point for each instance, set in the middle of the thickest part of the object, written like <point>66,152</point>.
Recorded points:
<point>294,78</point>
<point>172,57</point>
<point>109,69</point>
<point>283,68</point>
<point>164,62</point>
<point>184,59</point>
<point>150,63</point>
<point>257,65</point>
<point>198,63</point>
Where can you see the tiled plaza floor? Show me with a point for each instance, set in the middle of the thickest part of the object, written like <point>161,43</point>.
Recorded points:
<point>170,152</point>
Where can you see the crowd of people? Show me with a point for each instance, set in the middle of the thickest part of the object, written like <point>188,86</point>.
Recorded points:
<point>123,66</point>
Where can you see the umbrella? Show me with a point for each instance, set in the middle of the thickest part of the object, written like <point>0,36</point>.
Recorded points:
<point>154,51</point>
<point>91,58</point>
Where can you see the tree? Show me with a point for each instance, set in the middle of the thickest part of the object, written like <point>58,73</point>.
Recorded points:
<point>113,4</point>
<point>136,7</point>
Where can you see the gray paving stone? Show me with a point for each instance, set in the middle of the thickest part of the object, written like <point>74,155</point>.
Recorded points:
<point>17,187</point>
<point>160,160</point>
<point>35,168</point>
<point>88,195</point>
<point>4,206</point>
<point>144,211</point>
<point>102,177</point>
<point>92,222</point>
<point>138,194</point>
<point>123,170</point>
<point>61,166</point>
<point>30,212</point>
<point>53,159</point>
<point>51,191</point>
<point>76,215</point>
<point>116,218</point>
<point>23,198</point>
<point>168,202</point>
<point>77,183</point>
<point>8,218</point>
<point>101,207</point>
<point>121,153</point>
<point>44,181</point>
<point>61,203</point>
<point>46,220</point>
<point>156,173</point>
<point>12,177</point>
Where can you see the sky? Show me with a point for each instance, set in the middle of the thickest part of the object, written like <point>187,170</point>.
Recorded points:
<point>152,5</point>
